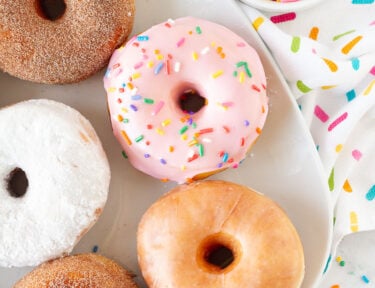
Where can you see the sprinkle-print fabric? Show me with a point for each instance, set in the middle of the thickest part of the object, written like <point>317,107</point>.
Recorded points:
<point>327,55</point>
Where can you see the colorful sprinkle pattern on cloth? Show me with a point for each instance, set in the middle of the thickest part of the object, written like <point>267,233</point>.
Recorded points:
<point>329,65</point>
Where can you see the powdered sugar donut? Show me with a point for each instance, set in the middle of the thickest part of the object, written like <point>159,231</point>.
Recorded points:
<point>54,180</point>
<point>187,98</point>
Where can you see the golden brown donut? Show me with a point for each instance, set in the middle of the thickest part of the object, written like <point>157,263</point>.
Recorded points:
<point>83,271</point>
<point>40,45</point>
<point>218,234</point>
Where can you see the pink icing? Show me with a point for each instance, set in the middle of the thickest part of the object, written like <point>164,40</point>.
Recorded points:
<point>145,79</point>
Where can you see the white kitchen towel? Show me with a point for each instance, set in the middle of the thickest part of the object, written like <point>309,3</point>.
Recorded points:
<point>329,65</point>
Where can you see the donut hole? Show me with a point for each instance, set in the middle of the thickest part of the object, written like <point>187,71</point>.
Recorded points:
<point>50,9</point>
<point>219,256</point>
<point>190,100</point>
<point>218,253</point>
<point>17,183</point>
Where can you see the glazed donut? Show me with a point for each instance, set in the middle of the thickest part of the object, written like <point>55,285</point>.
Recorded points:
<point>218,234</point>
<point>187,98</point>
<point>61,41</point>
<point>83,271</point>
<point>54,181</point>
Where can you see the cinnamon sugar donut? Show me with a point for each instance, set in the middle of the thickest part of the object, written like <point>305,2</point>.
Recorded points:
<point>218,234</point>
<point>61,41</point>
<point>54,181</point>
<point>83,271</point>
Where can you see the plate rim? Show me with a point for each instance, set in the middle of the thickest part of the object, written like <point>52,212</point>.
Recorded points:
<point>277,6</point>
<point>265,53</point>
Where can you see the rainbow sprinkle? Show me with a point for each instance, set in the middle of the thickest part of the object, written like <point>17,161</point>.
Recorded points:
<point>205,50</point>
<point>158,68</point>
<point>225,157</point>
<point>136,97</point>
<point>180,42</point>
<point>139,138</point>
<point>217,74</point>
<point>133,107</point>
<point>245,65</point>
<point>177,67</point>
<point>160,131</point>
<point>126,137</point>
<point>138,65</point>
<point>168,64</point>
<point>142,38</point>
<point>166,122</point>
<point>195,56</point>
<point>184,129</point>
<point>201,150</point>
<point>158,107</point>
<point>148,101</point>
<point>206,130</point>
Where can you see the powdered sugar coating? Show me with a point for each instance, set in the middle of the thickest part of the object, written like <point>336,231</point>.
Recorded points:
<point>145,79</point>
<point>68,175</point>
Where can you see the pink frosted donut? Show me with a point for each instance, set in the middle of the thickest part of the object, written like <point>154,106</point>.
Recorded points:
<point>187,98</point>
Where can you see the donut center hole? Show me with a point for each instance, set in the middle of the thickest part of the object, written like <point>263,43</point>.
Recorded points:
<point>190,101</point>
<point>50,9</point>
<point>17,183</point>
<point>219,253</point>
<point>219,256</point>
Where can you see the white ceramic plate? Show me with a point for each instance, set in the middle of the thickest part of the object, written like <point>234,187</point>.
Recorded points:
<point>281,6</point>
<point>283,164</point>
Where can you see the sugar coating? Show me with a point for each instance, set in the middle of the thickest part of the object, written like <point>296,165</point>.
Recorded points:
<point>65,50</point>
<point>78,271</point>
<point>68,176</point>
